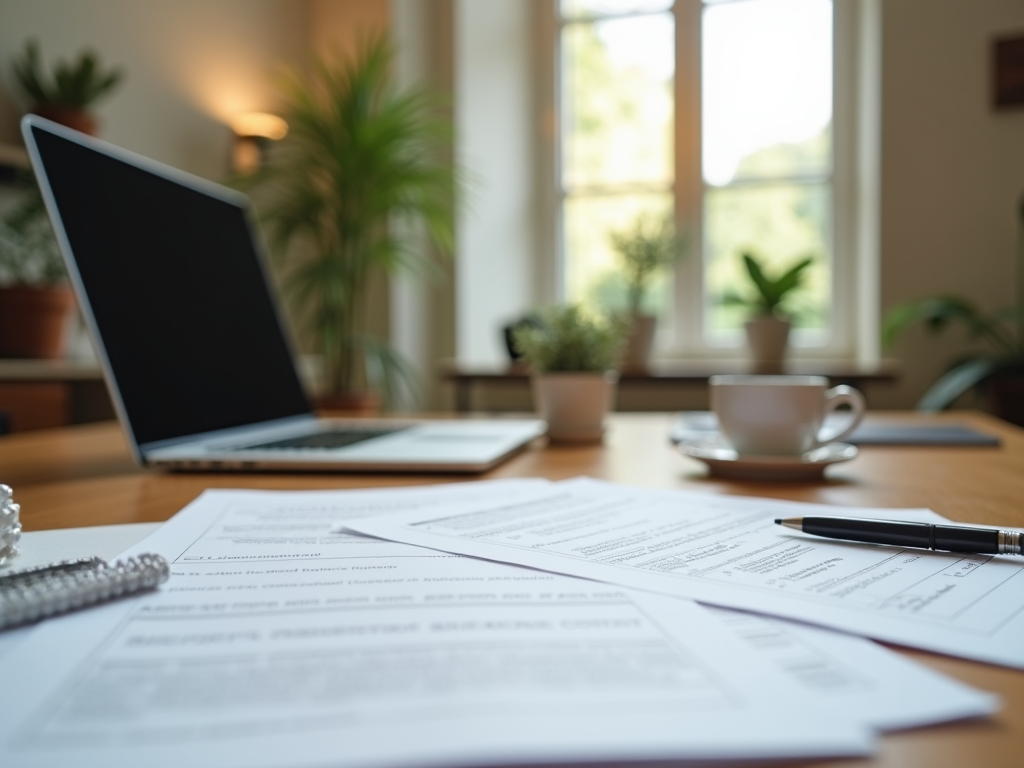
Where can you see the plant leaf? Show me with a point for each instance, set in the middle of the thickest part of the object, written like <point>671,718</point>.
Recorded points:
<point>955,383</point>
<point>792,278</point>
<point>763,285</point>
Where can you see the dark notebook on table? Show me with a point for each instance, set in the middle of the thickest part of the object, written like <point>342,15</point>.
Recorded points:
<point>695,425</point>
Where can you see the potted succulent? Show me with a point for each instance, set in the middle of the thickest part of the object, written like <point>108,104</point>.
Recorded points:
<point>35,301</point>
<point>572,357</point>
<point>768,327</point>
<point>645,249</point>
<point>73,88</point>
<point>365,166</point>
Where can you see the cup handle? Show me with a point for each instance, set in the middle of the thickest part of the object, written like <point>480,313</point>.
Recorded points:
<point>843,395</point>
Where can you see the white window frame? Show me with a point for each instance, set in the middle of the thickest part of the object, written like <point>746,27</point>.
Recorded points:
<point>854,189</point>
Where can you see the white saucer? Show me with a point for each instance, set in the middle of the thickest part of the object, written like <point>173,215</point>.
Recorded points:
<point>723,461</point>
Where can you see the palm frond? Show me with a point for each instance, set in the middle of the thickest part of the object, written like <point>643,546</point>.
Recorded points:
<point>364,173</point>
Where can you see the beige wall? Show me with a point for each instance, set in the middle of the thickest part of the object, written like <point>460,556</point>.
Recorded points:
<point>191,65</point>
<point>342,26</point>
<point>952,171</point>
<point>952,168</point>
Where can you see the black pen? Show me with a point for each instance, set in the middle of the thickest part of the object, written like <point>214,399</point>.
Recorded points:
<point>949,538</point>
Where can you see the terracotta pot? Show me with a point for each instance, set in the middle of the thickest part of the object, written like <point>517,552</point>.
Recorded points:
<point>34,321</point>
<point>639,342</point>
<point>73,117</point>
<point>574,404</point>
<point>767,337</point>
<point>355,403</point>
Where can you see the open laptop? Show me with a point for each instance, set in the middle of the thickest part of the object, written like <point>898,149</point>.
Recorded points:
<point>171,281</point>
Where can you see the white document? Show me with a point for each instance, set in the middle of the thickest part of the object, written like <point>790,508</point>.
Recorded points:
<point>727,550</point>
<point>276,644</point>
<point>860,678</point>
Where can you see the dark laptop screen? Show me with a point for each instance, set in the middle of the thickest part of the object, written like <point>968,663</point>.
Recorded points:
<point>178,293</point>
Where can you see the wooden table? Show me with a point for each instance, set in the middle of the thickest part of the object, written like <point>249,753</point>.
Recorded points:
<point>81,476</point>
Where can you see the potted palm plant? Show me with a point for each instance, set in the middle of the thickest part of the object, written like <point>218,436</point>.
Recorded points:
<point>572,357</point>
<point>645,249</point>
<point>66,96</point>
<point>365,166</point>
<point>768,327</point>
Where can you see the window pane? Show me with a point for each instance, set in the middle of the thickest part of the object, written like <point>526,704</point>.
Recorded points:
<point>572,9</point>
<point>593,276</point>
<point>767,89</point>
<point>617,101</point>
<point>778,224</point>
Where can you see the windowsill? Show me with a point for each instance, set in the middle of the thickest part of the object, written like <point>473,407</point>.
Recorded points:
<point>667,371</point>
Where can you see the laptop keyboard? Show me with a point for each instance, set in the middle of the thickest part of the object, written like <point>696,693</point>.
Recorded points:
<point>323,440</point>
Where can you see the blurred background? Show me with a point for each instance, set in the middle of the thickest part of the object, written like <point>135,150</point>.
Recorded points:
<point>881,140</point>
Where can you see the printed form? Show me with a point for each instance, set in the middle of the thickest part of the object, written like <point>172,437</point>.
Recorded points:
<point>727,551</point>
<point>278,643</point>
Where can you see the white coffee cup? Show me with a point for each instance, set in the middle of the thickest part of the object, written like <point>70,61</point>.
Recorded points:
<point>780,415</point>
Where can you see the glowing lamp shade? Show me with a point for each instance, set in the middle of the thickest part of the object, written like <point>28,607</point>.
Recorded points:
<point>253,133</point>
<point>259,125</point>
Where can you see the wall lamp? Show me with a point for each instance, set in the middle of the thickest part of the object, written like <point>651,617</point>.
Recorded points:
<point>254,132</point>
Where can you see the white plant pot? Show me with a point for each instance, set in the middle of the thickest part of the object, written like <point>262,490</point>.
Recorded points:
<point>768,337</point>
<point>574,404</point>
<point>639,343</point>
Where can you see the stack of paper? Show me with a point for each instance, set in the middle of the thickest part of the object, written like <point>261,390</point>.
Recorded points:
<point>726,550</point>
<point>279,643</point>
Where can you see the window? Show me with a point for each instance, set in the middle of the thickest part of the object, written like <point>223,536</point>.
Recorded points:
<point>617,135</point>
<point>721,111</point>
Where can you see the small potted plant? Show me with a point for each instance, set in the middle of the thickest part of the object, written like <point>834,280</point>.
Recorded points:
<point>572,356</point>
<point>768,327</point>
<point>36,303</point>
<point>74,87</point>
<point>645,249</point>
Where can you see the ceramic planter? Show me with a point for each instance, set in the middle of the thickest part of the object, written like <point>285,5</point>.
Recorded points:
<point>767,337</point>
<point>34,321</point>
<point>357,403</point>
<point>639,343</point>
<point>574,404</point>
<point>73,117</point>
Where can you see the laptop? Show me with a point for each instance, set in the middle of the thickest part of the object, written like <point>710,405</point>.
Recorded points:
<point>171,281</point>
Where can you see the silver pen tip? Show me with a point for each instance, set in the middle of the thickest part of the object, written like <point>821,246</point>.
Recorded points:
<point>796,523</point>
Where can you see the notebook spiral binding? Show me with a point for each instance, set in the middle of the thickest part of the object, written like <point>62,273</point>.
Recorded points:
<point>36,593</point>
